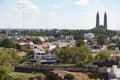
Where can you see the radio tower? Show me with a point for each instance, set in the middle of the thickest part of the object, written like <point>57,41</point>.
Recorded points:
<point>23,13</point>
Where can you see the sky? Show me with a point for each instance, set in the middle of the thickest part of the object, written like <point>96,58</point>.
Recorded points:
<point>59,14</point>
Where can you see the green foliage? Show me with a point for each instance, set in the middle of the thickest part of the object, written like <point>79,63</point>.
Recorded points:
<point>114,40</point>
<point>85,49</point>
<point>69,77</point>
<point>52,76</point>
<point>7,43</point>
<point>102,56</point>
<point>72,55</point>
<point>90,41</point>
<point>18,46</point>
<point>40,75</point>
<point>118,44</point>
<point>8,58</point>
<point>100,30</point>
<point>78,34</point>
<point>101,39</point>
<point>27,58</point>
<point>8,77</point>
<point>37,41</point>
<point>4,74</point>
<point>20,77</point>
<point>38,63</point>
<point>3,71</point>
<point>29,52</point>
<point>79,43</point>
<point>3,31</point>
<point>27,76</point>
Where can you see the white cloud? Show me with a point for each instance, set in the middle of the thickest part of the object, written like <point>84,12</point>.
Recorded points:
<point>25,5</point>
<point>82,2</point>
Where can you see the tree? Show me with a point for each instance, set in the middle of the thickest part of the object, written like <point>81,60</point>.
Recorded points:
<point>71,55</point>
<point>118,44</point>
<point>101,38</point>
<point>3,72</point>
<point>69,77</point>
<point>8,58</point>
<point>7,43</point>
<point>38,63</point>
<point>37,41</point>
<point>3,31</point>
<point>18,46</point>
<point>90,41</point>
<point>79,42</point>
<point>85,57</point>
<point>102,56</point>
<point>8,77</point>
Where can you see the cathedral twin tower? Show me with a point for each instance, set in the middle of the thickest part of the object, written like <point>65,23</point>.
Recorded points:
<point>98,22</point>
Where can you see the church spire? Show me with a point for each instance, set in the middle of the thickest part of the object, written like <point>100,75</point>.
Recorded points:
<point>97,19</point>
<point>105,20</point>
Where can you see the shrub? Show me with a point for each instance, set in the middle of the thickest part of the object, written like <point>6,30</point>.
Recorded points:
<point>3,72</point>
<point>38,63</point>
<point>69,77</point>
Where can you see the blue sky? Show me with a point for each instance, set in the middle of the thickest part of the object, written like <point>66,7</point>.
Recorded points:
<point>60,14</point>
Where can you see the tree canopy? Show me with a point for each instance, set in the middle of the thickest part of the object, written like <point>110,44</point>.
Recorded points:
<point>79,43</point>
<point>101,39</point>
<point>7,43</point>
<point>37,41</point>
<point>8,58</point>
<point>102,56</point>
<point>78,34</point>
<point>75,54</point>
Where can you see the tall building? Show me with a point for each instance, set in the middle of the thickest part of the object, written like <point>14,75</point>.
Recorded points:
<point>97,19</point>
<point>105,20</point>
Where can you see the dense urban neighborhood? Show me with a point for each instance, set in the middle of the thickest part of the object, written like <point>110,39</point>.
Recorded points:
<point>59,40</point>
<point>62,48</point>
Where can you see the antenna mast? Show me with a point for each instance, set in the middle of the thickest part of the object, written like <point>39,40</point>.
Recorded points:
<point>23,15</point>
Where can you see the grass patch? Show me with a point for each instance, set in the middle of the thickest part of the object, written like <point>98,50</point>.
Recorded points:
<point>26,76</point>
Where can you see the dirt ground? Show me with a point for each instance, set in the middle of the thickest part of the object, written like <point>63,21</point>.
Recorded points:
<point>78,75</point>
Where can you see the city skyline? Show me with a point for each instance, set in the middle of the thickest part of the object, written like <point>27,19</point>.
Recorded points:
<point>63,14</point>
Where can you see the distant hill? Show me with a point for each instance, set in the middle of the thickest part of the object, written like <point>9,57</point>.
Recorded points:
<point>100,30</point>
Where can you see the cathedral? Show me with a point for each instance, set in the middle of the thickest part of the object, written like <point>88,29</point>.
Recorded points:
<point>98,21</point>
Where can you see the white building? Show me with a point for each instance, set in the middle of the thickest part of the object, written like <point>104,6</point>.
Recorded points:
<point>89,35</point>
<point>39,54</point>
<point>114,73</point>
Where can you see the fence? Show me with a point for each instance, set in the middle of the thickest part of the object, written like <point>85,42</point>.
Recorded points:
<point>66,68</point>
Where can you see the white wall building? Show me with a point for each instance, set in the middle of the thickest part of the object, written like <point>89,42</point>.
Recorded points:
<point>39,54</point>
<point>114,73</point>
<point>89,35</point>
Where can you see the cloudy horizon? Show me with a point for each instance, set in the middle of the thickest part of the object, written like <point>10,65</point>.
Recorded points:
<point>59,14</point>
